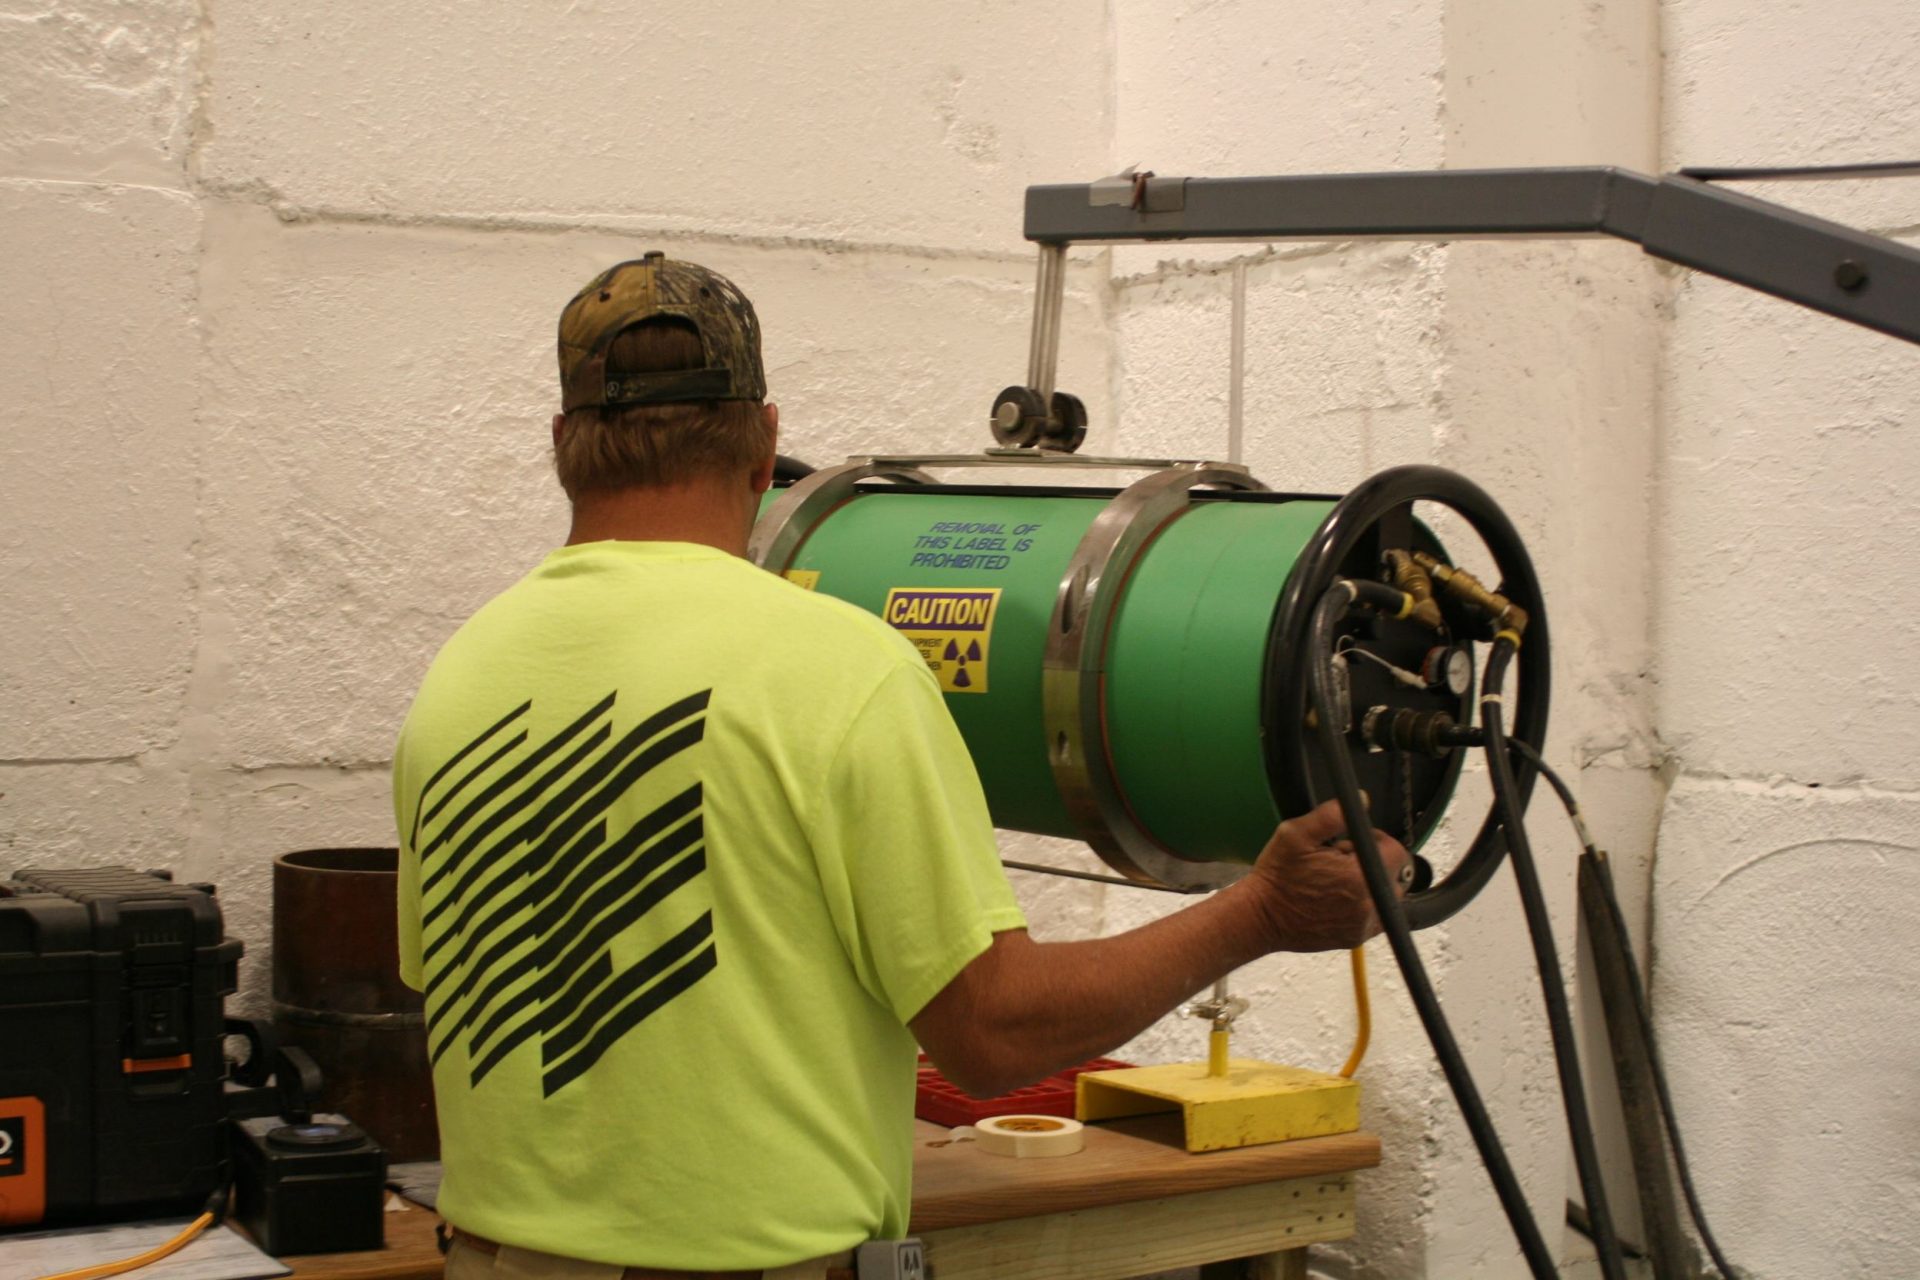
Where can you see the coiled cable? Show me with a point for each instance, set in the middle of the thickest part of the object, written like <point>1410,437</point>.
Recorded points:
<point>1642,1012</point>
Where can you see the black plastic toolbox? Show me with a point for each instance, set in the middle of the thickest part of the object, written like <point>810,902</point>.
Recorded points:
<point>111,1029</point>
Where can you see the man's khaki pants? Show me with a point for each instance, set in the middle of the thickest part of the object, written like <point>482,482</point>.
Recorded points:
<point>465,1262</point>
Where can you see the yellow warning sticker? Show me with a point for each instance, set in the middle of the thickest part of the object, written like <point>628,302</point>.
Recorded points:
<point>951,626</point>
<point>805,579</point>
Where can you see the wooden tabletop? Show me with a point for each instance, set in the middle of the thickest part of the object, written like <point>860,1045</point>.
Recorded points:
<point>955,1184</point>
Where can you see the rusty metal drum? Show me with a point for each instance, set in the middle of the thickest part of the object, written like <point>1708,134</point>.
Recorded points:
<point>337,993</point>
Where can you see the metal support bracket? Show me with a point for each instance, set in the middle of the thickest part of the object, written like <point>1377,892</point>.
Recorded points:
<point>1049,299</point>
<point>1823,265</point>
<point>1037,415</point>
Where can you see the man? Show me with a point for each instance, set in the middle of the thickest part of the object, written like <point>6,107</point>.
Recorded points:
<point>693,857</point>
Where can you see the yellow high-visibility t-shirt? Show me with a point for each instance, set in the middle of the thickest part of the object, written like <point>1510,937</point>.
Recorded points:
<point>683,848</point>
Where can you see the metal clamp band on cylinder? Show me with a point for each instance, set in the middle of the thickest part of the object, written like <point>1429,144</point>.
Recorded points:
<point>1075,659</point>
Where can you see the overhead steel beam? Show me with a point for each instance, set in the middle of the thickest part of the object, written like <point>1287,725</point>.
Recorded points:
<point>1853,275</point>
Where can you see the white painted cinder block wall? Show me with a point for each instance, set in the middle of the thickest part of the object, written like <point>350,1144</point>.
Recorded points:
<point>278,361</point>
<point>1787,884</point>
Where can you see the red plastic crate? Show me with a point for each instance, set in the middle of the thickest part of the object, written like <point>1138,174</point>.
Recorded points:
<point>938,1101</point>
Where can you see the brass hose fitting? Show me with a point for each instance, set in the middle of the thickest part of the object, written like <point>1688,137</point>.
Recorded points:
<point>1410,577</point>
<point>1463,586</point>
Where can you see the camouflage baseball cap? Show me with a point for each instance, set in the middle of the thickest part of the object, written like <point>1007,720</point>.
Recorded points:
<point>644,289</point>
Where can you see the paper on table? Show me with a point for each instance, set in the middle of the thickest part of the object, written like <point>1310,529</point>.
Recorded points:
<point>418,1181</point>
<point>218,1253</point>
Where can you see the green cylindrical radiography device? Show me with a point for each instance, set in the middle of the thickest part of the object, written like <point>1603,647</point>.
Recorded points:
<point>1121,661</point>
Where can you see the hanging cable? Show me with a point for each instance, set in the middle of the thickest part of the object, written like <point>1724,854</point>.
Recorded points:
<point>1362,1013</point>
<point>1642,1012</point>
<point>1332,607</point>
<point>1533,902</point>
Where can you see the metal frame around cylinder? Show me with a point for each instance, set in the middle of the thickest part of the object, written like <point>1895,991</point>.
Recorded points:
<point>778,535</point>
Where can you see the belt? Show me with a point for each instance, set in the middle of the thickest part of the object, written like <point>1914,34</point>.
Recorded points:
<point>492,1247</point>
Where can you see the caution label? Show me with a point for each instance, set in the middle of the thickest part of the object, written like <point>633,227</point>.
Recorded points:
<point>951,626</point>
<point>805,579</point>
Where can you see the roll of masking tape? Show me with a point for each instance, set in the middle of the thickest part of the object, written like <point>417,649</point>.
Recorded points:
<point>1026,1136</point>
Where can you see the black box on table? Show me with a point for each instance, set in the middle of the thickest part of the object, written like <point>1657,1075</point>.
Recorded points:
<point>111,1024</point>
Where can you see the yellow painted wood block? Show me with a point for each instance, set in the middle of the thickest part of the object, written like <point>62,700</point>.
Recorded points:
<point>1253,1102</point>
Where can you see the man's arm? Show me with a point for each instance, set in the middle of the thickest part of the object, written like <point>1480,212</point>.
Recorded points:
<point>1024,1009</point>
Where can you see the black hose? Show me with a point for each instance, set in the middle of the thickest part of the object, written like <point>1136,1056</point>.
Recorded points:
<point>1577,1219</point>
<point>787,470</point>
<point>1560,788</point>
<point>1642,1012</point>
<point>1393,922</point>
<point>1546,958</point>
<point>1069,874</point>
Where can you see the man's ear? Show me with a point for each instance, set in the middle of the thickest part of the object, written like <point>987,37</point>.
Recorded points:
<point>559,428</point>
<point>762,478</point>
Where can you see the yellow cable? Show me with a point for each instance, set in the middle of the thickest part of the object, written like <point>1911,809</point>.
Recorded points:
<point>154,1254</point>
<point>1362,1012</point>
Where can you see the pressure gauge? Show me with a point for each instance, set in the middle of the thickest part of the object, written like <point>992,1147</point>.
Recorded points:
<point>1451,666</point>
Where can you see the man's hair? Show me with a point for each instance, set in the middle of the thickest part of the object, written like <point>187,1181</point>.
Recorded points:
<point>658,444</point>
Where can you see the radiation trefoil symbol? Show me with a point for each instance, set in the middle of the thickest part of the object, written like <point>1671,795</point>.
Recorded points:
<point>954,654</point>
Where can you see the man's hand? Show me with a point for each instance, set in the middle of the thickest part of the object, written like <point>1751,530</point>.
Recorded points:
<point>1309,883</point>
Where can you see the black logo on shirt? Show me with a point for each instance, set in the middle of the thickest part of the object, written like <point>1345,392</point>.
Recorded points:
<point>524,888</point>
